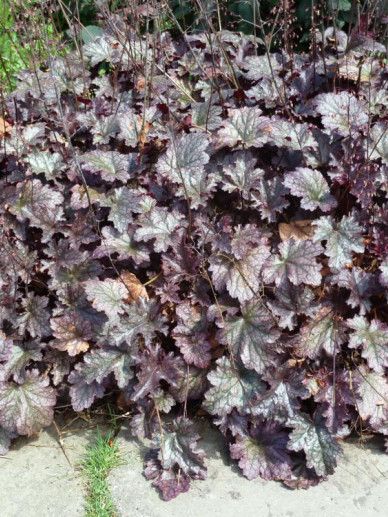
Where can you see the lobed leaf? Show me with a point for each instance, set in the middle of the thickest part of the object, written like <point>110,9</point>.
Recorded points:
<point>230,388</point>
<point>342,238</point>
<point>313,437</point>
<point>263,453</point>
<point>26,405</point>
<point>251,336</point>
<point>311,187</point>
<point>296,263</point>
<point>373,338</point>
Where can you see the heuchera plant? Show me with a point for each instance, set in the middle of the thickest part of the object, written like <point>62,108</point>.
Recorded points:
<point>199,228</point>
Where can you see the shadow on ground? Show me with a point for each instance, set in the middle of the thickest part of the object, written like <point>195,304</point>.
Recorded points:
<point>40,478</point>
<point>359,487</point>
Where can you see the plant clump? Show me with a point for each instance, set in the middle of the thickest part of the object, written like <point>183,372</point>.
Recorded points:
<point>199,226</point>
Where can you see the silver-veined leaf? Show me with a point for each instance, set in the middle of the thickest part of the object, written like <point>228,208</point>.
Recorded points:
<point>342,238</point>
<point>311,187</point>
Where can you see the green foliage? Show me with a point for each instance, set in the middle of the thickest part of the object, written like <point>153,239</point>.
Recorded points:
<point>21,48</point>
<point>84,11</point>
<point>11,52</point>
<point>254,16</point>
<point>100,458</point>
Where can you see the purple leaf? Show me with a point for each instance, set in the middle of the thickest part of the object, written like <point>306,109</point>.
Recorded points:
<point>361,284</point>
<point>291,301</point>
<point>263,453</point>
<point>139,318</point>
<point>231,388</point>
<point>372,391</point>
<point>341,112</point>
<point>35,316</point>
<point>206,115</point>
<point>111,165</point>
<point>342,238</point>
<point>296,263</point>
<point>336,395</point>
<point>107,295</point>
<point>169,482</point>
<point>179,447</point>
<point>40,204</point>
<point>270,198</point>
<point>313,437</point>
<point>83,394</point>
<point>191,384</point>
<point>159,224</point>
<point>132,125</point>
<point>163,401</point>
<point>6,345</point>
<point>191,335</point>
<point>123,203</point>
<point>239,173</point>
<point>72,333</point>
<point>325,331</point>
<point>251,336</point>
<point>5,441</point>
<point>265,66</point>
<point>241,277</point>
<point>244,126</point>
<point>184,162</point>
<point>384,273</point>
<point>184,156</point>
<point>156,365</point>
<point>45,163</point>
<point>298,137</point>
<point>281,402</point>
<point>27,404</point>
<point>311,187</point>
<point>302,476</point>
<point>99,363</point>
<point>373,339</point>
<point>19,356</point>
<point>122,243</point>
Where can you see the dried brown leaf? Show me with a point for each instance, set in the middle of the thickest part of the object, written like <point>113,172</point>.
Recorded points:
<point>135,288</point>
<point>5,127</point>
<point>298,230</point>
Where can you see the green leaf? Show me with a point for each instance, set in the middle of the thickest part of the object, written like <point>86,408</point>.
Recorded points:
<point>340,5</point>
<point>90,33</point>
